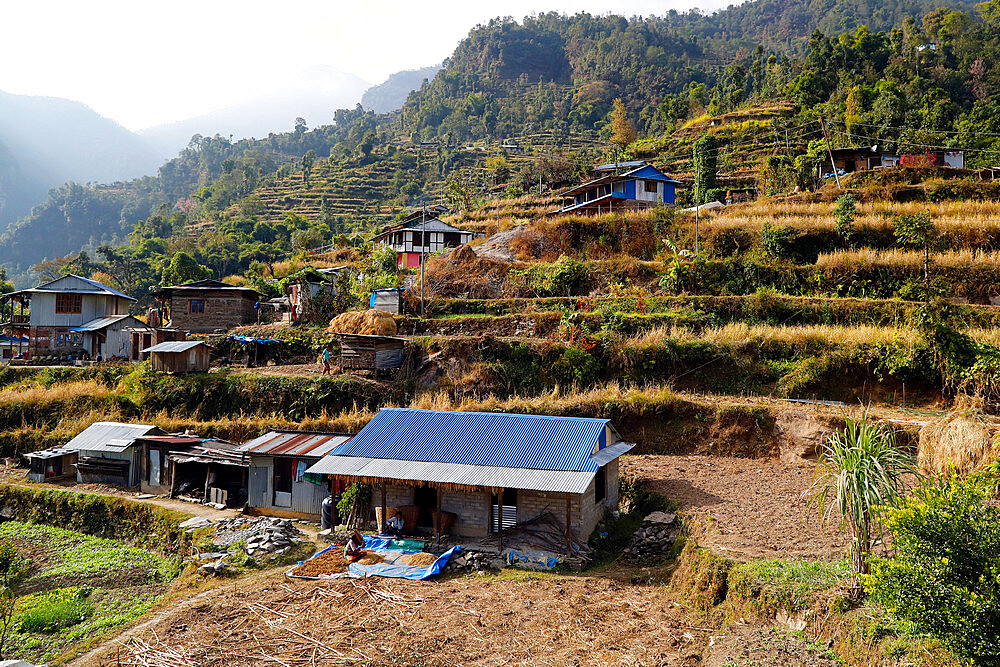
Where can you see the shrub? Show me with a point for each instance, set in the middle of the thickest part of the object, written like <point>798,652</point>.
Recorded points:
<point>776,241</point>
<point>576,366</point>
<point>944,577</point>
<point>52,611</point>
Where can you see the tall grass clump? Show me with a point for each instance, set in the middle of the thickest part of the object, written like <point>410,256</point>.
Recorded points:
<point>860,473</point>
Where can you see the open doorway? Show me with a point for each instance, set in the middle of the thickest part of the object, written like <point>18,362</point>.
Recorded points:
<point>425,497</point>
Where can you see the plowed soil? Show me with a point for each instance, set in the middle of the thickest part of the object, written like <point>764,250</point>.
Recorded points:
<point>743,508</point>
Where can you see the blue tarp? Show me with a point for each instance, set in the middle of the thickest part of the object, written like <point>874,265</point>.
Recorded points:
<point>248,339</point>
<point>389,568</point>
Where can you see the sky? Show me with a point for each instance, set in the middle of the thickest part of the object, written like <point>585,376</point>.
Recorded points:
<point>146,62</point>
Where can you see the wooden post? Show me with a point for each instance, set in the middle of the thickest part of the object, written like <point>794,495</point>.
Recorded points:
<point>384,517</point>
<point>208,472</point>
<point>569,529</point>
<point>822,122</point>
<point>437,517</point>
<point>500,517</point>
<point>173,478</point>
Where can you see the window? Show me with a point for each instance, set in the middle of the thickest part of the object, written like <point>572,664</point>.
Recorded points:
<point>69,303</point>
<point>197,305</point>
<point>509,501</point>
<point>600,485</point>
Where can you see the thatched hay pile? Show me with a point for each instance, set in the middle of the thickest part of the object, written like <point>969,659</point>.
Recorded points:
<point>964,439</point>
<point>369,322</point>
<point>463,254</point>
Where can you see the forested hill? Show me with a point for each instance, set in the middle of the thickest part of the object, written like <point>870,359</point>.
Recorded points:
<point>550,81</point>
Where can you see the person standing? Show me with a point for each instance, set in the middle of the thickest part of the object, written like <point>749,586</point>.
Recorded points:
<point>326,359</point>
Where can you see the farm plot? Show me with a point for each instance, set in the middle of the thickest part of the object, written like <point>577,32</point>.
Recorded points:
<point>78,587</point>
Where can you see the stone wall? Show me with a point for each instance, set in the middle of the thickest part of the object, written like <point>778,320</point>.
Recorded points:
<point>222,312</point>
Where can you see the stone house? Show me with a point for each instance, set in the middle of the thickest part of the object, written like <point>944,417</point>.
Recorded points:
<point>208,306</point>
<point>480,471</point>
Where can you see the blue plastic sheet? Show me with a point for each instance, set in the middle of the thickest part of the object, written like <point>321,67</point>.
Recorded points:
<point>249,339</point>
<point>392,568</point>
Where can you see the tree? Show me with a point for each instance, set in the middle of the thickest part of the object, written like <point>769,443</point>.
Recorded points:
<point>843,215</point>
<point>307,164</point>
<point>943,574</point>
<point>706,165</point>
<point>622,131</point>
<point>13,570</point>
<point>859,474</point>
<point>183,268</point>
<point>915,230</point>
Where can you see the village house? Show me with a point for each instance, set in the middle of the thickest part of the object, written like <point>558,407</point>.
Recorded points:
<point>74,317</point>
<point>407,238</point>
<point>279,484</point>
<point>621,186</point>
<point>208,306</point>
<point>478,471</point>
<point>309,285</point>
<point>860,158</point>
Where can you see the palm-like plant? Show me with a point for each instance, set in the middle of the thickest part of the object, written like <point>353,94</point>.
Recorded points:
<point>860,471</point>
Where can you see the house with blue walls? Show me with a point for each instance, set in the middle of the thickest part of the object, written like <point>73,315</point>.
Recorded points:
<point>623,185</point>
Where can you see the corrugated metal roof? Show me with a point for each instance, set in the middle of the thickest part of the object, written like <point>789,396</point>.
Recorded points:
<point>50,453</point>
<point>479,438</point>
<point>175,346</point>
<point>100,323</point>
<point>295,443</point>
<point>552,481</point>
<point>602,457</point>
<point>99,434</point>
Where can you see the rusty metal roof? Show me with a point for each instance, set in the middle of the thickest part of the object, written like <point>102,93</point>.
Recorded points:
<point>295,443</point>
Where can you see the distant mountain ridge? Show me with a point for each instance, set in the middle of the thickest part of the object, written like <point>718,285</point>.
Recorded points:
<point>313,94</point>
<point>47,141</point>
<point>392,93</point>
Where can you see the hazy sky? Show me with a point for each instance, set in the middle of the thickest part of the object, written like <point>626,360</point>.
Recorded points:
<point>147,62</point>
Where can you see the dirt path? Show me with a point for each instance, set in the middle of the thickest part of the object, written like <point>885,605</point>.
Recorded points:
<point>743,508</point>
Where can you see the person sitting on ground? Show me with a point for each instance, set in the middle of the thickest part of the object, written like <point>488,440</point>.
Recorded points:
<point>394,526</point>
<point>354,550</point>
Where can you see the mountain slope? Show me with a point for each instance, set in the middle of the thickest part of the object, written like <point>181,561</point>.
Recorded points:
<point>392,93</point>
<point>312,94</point>
<point>45,141</point>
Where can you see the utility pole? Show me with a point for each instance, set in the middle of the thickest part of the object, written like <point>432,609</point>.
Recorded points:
<point>822,122</point>
<point>539,176</point>
<point>697,199</point>
<point>423,252</point>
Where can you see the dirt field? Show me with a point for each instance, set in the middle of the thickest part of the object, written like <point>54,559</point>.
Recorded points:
<point>743,508</point>
<point>513,620</point>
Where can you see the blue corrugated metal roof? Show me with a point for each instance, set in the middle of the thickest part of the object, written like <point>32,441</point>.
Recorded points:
<point>479,438</point>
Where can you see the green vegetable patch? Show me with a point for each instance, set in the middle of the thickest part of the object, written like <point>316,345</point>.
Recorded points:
<point>77,588</point>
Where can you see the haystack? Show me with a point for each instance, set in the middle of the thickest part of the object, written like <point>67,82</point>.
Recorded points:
<point>463,254</point>
<point>964,439</point>
<point>368,322</point>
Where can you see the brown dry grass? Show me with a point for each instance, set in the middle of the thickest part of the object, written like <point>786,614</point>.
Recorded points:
<point>908,260</point>
<point>370,322</point>
<point>964,439</point>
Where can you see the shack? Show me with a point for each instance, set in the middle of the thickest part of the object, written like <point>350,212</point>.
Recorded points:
<point>215,473</point>
<point>181,356</point>
<point>471,473</point>
<point>279,484</point>
<point>156,473</point>
<point>390,300</point>
<point>51,465</point>
<point>108,453</point>
<point>361,352</point>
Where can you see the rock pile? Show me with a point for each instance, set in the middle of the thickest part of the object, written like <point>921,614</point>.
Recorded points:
<point>655,537</point>
<point>262,535</point>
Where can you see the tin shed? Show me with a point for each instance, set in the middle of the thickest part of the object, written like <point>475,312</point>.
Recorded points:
<point>108,454</point>
<point>179,356</point>
<point>279,484</point>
